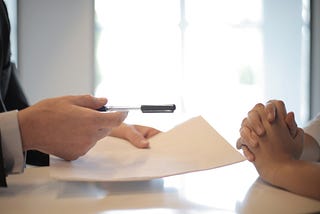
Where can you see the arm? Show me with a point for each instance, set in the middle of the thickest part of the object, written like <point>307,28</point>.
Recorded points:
<point>276,156</point>
<point>277,164</point>
<point>311,149</point>
<point>312,140</point>
<point>300,177</point>
<point>72,122</point>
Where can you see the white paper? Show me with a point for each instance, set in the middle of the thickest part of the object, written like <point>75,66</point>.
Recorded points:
<point>191,146</point>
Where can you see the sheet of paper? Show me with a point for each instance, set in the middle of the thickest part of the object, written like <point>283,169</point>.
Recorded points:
<point>191,146</point>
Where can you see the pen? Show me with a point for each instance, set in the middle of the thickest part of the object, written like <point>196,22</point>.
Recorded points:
<point>144,108</point>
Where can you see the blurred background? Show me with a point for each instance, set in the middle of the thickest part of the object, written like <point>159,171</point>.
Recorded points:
<point>209,57</point>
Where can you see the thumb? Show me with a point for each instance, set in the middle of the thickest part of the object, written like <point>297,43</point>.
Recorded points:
<point>271,111</point>
<point>89,101</point>
<point>300,135</point>
<point>291,123</point>
<point>299,139</point>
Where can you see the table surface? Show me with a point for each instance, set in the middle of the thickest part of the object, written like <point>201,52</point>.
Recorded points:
<point>230,189</point>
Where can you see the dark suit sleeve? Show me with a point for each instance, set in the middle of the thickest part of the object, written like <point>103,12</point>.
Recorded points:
<point>3,182</point>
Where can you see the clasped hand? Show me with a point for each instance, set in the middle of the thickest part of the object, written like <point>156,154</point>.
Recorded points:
<point>270,138</point>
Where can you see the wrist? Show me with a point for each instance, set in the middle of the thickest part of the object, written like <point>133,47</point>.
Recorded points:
<point>284,172</point>
<point>22,118</point>
<point>118,131</point>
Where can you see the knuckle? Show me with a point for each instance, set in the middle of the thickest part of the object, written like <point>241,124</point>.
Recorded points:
<point>281,103</point>
<point>243,133</point>
<point>84,95</point>
<point>252,111</point>
<point>244,122</point>
<point>87,96</point>
<point>259,106</point>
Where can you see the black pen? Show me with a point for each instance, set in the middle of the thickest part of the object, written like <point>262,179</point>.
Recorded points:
<point>144,108</point>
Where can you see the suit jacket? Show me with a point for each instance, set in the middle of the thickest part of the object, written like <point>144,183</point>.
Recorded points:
<point>11,94</point>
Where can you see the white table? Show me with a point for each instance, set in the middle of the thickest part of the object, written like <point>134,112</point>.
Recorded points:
<point>230,189</point>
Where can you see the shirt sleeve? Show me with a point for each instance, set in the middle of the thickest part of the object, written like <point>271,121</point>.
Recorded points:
<point>313,128</point>
<point>13,157</point>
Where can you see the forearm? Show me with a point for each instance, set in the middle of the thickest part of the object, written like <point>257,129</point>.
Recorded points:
<point>300,177</point>
<point>311,149</point>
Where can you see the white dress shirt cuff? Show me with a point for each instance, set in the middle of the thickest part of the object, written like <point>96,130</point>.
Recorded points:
<point>14,161</point>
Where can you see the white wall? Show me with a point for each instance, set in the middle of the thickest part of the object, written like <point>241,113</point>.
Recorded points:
<point>56,47</point>
<point>315,62</point>
<point>284,66</point>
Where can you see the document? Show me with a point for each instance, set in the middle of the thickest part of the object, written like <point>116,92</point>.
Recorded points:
<point>191,146</point>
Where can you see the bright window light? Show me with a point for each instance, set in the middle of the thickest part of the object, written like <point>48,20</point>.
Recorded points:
<point>205,56</point>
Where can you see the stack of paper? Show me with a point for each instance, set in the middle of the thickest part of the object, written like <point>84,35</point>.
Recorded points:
<point>191,146</point>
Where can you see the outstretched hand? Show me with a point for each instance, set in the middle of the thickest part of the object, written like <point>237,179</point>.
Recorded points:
<point>137,135</point>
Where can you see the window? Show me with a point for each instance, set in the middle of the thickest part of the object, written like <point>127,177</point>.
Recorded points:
<point>211,58</point>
